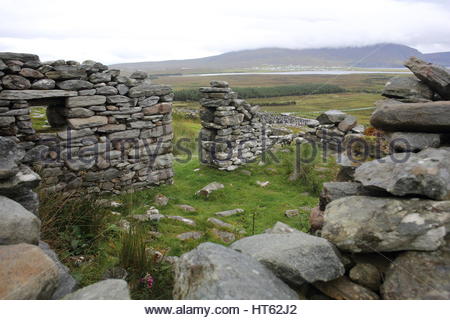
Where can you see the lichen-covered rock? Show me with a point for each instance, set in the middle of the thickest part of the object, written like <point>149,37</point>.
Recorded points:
<point>26,272</point>
<point>412,141</point>
<point>295,257</point>
<point>366,275</point>
<point>111,289</point>
<point>425,173</point>
<point>419,275</point>
<point>214,272</point>
<point>369,224</point>
<point>331,117</point>
<point>17,225</point>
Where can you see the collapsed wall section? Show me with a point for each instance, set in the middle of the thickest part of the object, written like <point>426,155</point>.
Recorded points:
<point>232,132</point>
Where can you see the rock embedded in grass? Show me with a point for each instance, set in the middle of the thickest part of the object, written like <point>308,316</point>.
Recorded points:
<point>224,236</point>
<point>186,208</point>
<point>184,220</point>
<point>291,213</point>
<point>219,223</point>
<point>229,212</point>
<point>190,235</point>
<point>210,188</point>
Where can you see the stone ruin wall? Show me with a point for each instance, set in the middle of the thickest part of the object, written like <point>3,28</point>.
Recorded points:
<point>232,132</point>
<point>112,132</point>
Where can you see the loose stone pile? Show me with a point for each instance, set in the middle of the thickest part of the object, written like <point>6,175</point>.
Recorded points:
<point>331,128</point>
<point>398,205</point>
<point>113,132</point>
<point>232,133</point>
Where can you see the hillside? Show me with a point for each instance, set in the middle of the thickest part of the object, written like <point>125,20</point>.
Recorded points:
<point>379,56</point>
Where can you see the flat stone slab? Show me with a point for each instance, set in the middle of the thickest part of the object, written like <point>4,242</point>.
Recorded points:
<point>35,94</point>
<point>219,223</point>
<point>184,220</point>
<point>111,289</point>
<point>229,212</point>
<point>191,235</point>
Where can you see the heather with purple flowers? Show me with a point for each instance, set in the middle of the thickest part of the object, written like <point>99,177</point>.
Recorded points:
<point>148,281</point>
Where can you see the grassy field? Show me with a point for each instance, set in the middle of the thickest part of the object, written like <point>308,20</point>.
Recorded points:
<point>95,235</point>
<point>352,82</point>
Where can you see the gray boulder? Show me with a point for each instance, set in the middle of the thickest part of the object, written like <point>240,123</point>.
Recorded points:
<point>26,272</point>
<point>433,117</point>
<point>425,173</point>
<point>369,224</point>
<point>331,117</point>
<point>419,275</point>
<point>214,272</point>
<point>335,190</point>
<point>435,76</point>
<point>111,289</point>
<point>24,180</point>
<point>295,257</point>
<point>16,82</point>
<point>67,283</point>
<point>75,85</point>
<point>407,89</point>
<point>44,84</point>
<point>412,141</point>
<point>17,225</point>
<point>10,155</point>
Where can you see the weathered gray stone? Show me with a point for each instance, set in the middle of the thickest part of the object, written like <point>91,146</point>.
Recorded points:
<point>412,141</point>
<point>44,84</point>
<point>66,72</point>
<point>436,77</point>
<point>368,224</point>
<point>425,173</point>
<point>26,272</point>
<point>295,257</point>
<point>16,82</point>
<point>24,57</point>
<point>149,90</point>
<point>229,212</point>
<point>224,236</point>
<point>107,91</point>
<point>220,223</point>
<point>331,117</point>
<point>85,101</point>
<point>140,75</point>
<point>190,235</point>
<point>407,89</point>
<point>67,283</point>
<point>412,117</point>
<point>80,123</point>
<point>210,188</point>
<point>111,289</point>
<point>347,124</point>
<point>31,73</point>
<point>127,134</point>
<point>344,289</point>
<point>184,220</point>
<point>215,272</point>
<point>75,85</point>
<point>366,275</point>
<point>78,113</point>
<point>17,225</point>
<point>10,155</point>
<point>35,94</point>
<point>219,84</point>
<point>117,99</point>
<point>100,77</point>
<point>419,275</point>
<point>186,208</point>
<point>25,179</point>
<point>335,190</point>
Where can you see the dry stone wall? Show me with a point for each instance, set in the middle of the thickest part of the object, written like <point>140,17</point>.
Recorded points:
<point>233,133</point>
<point>111,132</point>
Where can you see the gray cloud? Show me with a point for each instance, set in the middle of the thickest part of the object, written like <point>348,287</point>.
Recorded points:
<point>116,31</point>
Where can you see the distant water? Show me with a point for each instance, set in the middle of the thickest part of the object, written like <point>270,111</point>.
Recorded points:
<point>311,72</point>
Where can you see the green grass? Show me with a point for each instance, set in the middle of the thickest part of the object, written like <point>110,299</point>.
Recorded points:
<point>94,233</point>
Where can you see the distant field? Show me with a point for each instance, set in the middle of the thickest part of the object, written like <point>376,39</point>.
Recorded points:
<point>353,82</point>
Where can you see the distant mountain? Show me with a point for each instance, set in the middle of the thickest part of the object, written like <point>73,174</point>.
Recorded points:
<point>375,56</point>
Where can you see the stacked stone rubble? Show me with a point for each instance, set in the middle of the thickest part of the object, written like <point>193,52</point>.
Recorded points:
<point>113,132</point>
<point>232,132</point>
<point>331,127</point>
<point>397,209</point>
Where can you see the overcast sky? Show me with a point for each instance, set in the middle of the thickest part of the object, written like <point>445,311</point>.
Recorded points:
<point>130,30</point>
